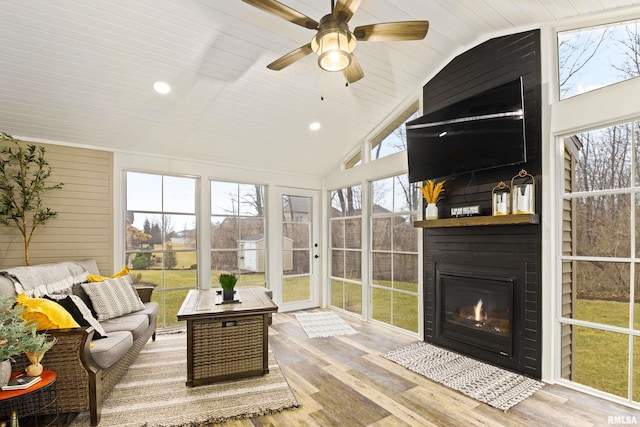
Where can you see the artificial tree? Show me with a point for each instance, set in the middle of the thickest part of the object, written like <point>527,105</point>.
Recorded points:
<point>23,180</point>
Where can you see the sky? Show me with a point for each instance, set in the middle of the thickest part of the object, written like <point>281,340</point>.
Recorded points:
<point>600,70</point>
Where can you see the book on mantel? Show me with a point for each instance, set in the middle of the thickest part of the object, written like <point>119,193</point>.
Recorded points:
<point>21,383</point>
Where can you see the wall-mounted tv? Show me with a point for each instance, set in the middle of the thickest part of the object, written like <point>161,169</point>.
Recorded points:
<point>481,132</point>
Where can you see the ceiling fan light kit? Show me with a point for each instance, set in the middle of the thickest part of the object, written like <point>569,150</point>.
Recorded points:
<point>334,43</point>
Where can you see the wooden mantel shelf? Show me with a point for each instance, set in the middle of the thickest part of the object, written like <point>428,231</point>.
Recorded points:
<point>471,221</point>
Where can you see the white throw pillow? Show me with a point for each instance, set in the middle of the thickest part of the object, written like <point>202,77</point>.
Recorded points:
<point>113,297</point>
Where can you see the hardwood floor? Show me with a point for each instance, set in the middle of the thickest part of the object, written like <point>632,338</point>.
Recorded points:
<point>344,381</point>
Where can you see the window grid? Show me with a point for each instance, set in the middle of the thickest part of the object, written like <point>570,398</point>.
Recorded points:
<point>238,237</point>
<point>345,231</point>
<point>173,266</point>
<point>400,209</point>
<point>582,323</point>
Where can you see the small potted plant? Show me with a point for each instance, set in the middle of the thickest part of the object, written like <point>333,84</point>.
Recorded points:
<point>35,346</point>
<point>17,336</point>
<point>228,283</point>
<point>12,329</point>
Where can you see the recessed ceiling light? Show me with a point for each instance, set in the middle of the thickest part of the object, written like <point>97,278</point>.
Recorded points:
<point>314,126</point>
<point>162,87</point>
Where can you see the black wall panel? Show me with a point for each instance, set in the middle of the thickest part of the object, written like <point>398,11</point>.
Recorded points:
<point>519,246</point>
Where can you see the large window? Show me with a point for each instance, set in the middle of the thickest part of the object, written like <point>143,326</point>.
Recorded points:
<point>600,260</point>
<point>394,257</point>
<point>160,237</point>
<point>594,57</point>
<point>390,140</point>
<point>238,239</point>
<point>345,228</point>
<point>393,139</point>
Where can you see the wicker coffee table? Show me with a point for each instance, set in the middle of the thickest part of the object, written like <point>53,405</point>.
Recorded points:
<point>226,341</point>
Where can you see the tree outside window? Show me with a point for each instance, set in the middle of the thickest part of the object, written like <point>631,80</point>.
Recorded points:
<point>594,57</point>
<point>238,239</point>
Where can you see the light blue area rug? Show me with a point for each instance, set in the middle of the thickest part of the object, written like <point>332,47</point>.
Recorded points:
<point>319,324</point>
<point>494,386</point>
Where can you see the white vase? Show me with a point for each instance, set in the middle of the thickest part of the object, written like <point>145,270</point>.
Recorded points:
<point>5,372</point>
<point>431,212</point>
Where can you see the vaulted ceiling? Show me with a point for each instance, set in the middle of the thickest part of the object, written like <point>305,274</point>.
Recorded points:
<point>81,72</point>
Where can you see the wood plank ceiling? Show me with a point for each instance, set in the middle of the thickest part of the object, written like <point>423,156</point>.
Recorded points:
<point>81,72</point>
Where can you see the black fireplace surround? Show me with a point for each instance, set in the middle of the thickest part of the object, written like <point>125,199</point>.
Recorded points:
<point>495,263</point>
<point>485,306</point>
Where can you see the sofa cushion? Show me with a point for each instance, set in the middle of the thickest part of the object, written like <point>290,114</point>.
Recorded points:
<point>113,297</point>
<point>108,351</point>
<point>80,313</point>
<point>151,310</point>
<point>134,323</point>
<point>46,314</point>
<point>89,264</point>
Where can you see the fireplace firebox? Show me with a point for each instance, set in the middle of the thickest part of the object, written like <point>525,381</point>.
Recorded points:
<point>476,310</point>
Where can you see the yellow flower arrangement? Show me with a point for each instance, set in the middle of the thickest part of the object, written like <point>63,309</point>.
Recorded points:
<point>432,192</point>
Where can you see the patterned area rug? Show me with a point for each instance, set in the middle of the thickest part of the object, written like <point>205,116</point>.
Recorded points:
<point>153,392</point>
<point>323,324</point>
<point>494,386</point>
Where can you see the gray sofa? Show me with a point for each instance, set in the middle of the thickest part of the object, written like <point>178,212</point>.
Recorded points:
<point>87,369</point>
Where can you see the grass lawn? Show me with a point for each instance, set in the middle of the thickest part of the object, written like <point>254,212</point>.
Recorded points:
<point>394,308</point>
<point>601,359</point>
<point>177,283</point>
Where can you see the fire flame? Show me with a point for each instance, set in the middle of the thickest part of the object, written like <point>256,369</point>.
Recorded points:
<point>477,310</point>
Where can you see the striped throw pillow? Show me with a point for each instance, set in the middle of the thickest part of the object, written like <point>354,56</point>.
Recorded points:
<point>113,297</point>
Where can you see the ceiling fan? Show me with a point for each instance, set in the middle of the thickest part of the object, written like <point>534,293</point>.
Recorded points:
<point>334,42</point>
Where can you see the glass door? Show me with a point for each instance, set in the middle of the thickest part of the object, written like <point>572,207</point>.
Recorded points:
<point>299,249</point>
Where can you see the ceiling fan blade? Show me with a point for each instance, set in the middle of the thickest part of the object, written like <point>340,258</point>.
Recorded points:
<point>392,31</point>
<point>346,8</point>
<point>353,72</point>
<point>285,12</point>
<point>291,57</point>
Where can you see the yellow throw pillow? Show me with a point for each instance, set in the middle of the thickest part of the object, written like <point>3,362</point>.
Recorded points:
<point>46,314</point>
<point>95,278</point>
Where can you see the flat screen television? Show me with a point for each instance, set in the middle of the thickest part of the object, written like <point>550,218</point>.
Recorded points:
<point>481,132</point>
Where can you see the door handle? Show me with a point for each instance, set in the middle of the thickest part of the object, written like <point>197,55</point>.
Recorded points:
<point>316,256</point>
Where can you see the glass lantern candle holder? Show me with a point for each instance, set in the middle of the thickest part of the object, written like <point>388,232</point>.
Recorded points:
<point>523,193</point>
<point>501,197</point>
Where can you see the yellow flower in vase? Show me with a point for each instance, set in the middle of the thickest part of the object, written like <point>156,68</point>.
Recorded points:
<point>432,193</point>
